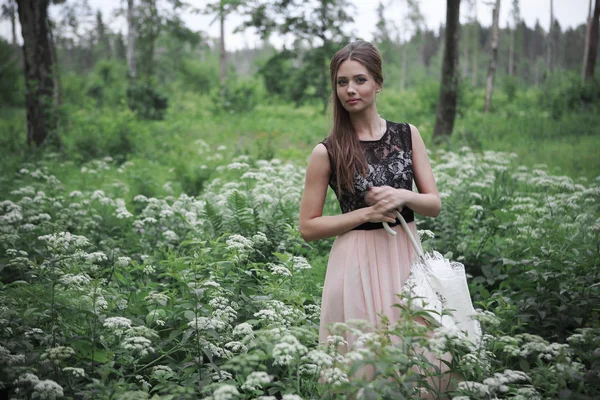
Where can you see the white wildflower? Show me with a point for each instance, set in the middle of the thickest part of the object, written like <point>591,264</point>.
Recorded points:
<point>225,392</point>
<point>255,380</point>
<point>47,389</point>
<point>300,263</point>
<point>334,376</point>
<point>76,372</point>
<point>242,330</point>
<point>279,270</point>
<point>123,262</point>
<point>287,350</point>
<point>138,344</point>
<point>117,323</point>
<point>157,298</point>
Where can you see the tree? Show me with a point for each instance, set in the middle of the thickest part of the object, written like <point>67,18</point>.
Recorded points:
<point>515,15</point>
<point>103,42</point>
<point>9,12</point>
<point>586,49</point>
<point>39,71</point>
<point>475,39</point>
<point>221,9</point>
<point>412,22</point>
<point>593,44</point>
<point>131,25</point>
<point>493,58</point>
<point>446,111</point>
<point>120,49</point>
<point>549,40</point>
<point>318,23</point>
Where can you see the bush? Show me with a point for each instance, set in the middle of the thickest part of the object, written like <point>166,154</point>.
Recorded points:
<point>146,101</point>
<point>239,96</point>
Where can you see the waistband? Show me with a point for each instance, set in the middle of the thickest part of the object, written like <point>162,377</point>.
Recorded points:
<point>407,213</point>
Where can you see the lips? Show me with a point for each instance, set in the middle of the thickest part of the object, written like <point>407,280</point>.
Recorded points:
<point>352,101</point>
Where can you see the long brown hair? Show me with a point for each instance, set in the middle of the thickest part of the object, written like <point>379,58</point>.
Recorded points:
<point>347,157</point>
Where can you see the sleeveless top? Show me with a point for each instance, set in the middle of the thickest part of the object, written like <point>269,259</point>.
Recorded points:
<point>389,161</point>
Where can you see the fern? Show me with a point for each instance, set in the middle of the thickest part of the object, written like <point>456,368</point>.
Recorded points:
<point>211,214</point>
<point>242,213</point>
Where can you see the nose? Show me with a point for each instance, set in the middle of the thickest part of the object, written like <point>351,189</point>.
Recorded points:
<point>351,89</point>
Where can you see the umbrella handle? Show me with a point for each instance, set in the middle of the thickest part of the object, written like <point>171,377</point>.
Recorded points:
<point>407,230</point>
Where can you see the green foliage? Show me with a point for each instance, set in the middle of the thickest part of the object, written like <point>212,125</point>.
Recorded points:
<point>562,95</point>
<point>107,83</point>
<point>238,96</point>
<point>200,77</point>
<point>146,100</point>
<point>12,86</point>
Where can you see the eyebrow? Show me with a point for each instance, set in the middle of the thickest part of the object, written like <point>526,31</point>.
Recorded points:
<point>355,76</point>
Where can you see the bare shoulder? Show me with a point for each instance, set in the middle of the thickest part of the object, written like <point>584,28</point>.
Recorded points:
<point>414,131</point>
<point>320,151</point>
<point>319,160</point>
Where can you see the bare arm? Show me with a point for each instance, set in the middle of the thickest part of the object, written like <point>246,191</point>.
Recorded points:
<point>313,225</point>
<point>427,201</point>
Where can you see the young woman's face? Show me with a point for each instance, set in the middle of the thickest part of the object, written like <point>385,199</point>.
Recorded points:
<point>355,86</point>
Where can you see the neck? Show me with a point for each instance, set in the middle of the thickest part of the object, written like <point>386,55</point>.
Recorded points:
<point>367,124</point>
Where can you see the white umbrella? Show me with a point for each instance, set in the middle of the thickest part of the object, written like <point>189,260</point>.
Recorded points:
<point>440,284</point>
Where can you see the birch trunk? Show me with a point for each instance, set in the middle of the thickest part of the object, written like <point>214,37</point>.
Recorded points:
<point>587,41</point>
<point>493,57</point>
<point>511,52</point>
<point>550,38</point>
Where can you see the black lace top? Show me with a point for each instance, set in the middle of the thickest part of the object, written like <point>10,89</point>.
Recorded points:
<point>389,162</point>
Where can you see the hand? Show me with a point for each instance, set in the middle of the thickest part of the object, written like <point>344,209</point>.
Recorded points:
<point>391,199</point>
<point>380,212</point>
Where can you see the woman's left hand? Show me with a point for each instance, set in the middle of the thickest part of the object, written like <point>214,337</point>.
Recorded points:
<point>394,199</point>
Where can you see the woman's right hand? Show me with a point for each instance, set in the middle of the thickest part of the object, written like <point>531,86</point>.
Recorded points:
<point>380,212</point>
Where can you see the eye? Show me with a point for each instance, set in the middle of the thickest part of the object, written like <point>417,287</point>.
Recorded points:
<point>361,80</point>
<point>342,82</point>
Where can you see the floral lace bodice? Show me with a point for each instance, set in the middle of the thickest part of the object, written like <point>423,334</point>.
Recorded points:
<point>389,162</point>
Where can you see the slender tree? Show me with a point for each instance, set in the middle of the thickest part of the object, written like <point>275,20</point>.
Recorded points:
<point>475,38</point>
<point>9,11</point>
<point>446,111</point>
<point>103,42</point>
<point>515,15</point>
<point>131,28</point>
<point>38,69</point>
<point>550,38</point>
<point>586,49</point>
<point>493,58</point>
<point>593,44</point>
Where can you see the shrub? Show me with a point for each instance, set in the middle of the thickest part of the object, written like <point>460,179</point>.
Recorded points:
<point>146,101</point>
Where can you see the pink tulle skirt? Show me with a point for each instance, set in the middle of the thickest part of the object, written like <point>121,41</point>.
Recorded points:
<point>365,272</point>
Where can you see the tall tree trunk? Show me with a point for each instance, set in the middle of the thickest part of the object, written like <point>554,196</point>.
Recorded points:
<point>465,60</point>
<point>550,38</point>
<point>475,61</point>
<point>587,41</point>
<point>489,89</point>
<point>593,45</point>
<point>131,40</point>
<point>38,68</point>
<point>404,66</point>
<point>446,111</point>
<point>222,54</point>
<point>511,52</point>
<point>13,22</point>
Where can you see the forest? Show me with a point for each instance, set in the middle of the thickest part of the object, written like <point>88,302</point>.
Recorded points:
<point>151,183</point>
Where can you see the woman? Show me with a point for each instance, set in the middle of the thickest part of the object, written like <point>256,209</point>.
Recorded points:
<point>370,163</point>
